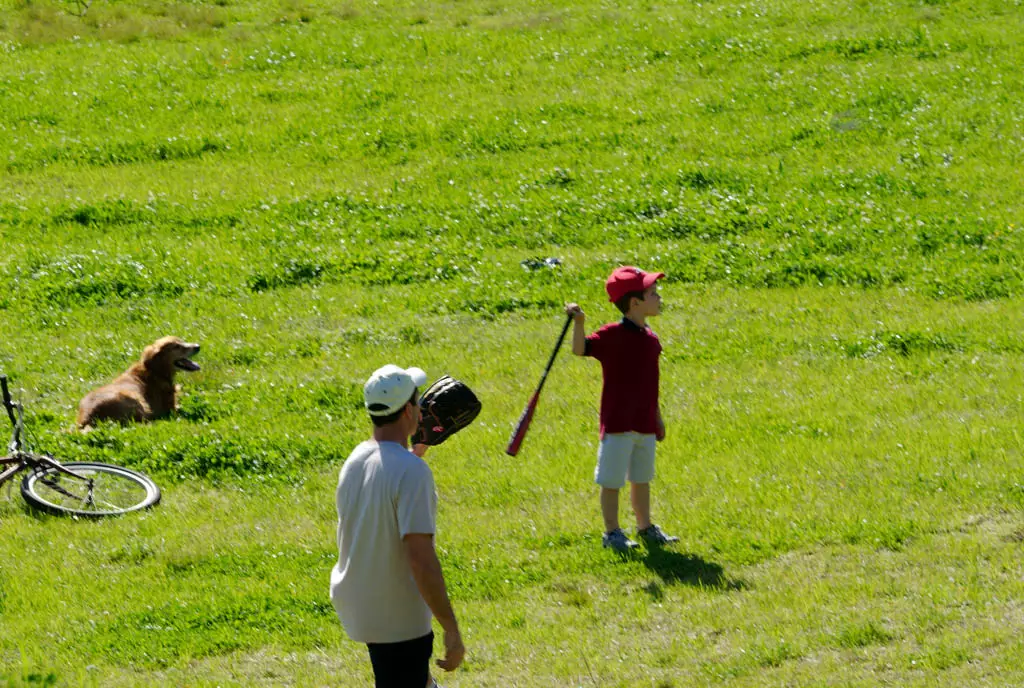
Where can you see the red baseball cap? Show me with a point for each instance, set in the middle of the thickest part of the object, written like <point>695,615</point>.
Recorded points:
<point>628,278</point>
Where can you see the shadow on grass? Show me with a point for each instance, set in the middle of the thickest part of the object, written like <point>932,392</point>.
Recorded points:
<point>674,568</point>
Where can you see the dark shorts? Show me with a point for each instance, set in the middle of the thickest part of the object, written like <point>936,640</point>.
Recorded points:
<point>402,665</point>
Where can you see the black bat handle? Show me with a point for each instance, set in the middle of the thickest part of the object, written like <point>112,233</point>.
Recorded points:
<point>551,361</point>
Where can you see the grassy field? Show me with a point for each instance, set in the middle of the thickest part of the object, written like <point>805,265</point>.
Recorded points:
<point>313,189</point>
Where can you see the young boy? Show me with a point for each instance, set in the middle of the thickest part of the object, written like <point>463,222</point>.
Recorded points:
<point>630,416</point>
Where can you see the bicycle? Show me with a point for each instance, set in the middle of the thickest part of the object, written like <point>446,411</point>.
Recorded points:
<point>76,488</point>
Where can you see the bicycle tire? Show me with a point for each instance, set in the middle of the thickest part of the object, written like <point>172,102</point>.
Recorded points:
<point>116,490</point>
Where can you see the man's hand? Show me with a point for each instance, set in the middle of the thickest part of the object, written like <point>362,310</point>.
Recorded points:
<point>454,651</point>
<point>659,431</point>
<point>420,449</point>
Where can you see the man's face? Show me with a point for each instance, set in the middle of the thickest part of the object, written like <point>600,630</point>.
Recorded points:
<point>413,415</point>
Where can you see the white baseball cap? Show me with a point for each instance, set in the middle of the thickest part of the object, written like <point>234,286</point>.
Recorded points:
<point>390,388</point>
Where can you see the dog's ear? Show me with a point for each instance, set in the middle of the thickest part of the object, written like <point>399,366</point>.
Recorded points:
<point>155,355</point>
<point>149,354</point>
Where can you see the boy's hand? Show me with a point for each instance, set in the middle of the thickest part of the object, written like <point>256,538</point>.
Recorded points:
<point>575,311</point>
<point>659,430</point>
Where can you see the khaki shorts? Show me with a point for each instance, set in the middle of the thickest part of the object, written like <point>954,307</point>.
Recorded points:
<point>625,456</point>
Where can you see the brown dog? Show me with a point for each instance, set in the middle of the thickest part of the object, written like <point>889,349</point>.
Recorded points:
<point>146,390</point>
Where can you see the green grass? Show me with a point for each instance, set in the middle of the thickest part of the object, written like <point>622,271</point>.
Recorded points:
<point>311,190</point>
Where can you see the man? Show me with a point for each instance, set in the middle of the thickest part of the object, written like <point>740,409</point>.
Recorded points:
<point>388,581</point>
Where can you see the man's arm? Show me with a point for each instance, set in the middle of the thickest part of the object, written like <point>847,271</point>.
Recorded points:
<point>426,571</point>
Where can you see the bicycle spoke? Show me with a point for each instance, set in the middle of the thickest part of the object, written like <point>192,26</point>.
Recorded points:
<point>104,490</point>
<point>52,484</point>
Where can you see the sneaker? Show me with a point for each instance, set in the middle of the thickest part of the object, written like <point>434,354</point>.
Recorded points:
<point>618,541</point>
<point>654,535</point>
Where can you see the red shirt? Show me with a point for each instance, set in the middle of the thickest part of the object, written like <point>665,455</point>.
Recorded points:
<point>629,360</point>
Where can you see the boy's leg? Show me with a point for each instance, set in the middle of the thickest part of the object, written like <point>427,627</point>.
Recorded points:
<point>641,473</point>
<point>610,508</point>
<point>640,494</point>
<point>612,464</point>
<point>613,536</point>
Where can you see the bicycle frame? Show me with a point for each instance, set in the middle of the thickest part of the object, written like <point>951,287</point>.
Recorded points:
<point>18,423</point>
<point>19,460</point>
<point>22,461</point>
<point>19,464</point>
<point>16,456</point>
<point>98,489</point>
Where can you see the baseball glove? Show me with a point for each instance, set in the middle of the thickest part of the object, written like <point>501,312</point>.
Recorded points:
<point>447,406</point>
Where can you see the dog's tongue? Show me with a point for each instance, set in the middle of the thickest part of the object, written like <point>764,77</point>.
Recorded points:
<point>187,364</point>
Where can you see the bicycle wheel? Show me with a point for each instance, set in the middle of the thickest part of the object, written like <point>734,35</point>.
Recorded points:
<point>114,490</point>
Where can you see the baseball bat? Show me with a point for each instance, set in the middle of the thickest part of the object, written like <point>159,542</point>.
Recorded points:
<point>524,420</point>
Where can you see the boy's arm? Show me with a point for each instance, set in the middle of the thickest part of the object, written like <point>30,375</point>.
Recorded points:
<point>659,434</point>
<point>579,335</point>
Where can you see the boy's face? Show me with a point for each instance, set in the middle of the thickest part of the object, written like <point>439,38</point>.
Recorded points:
<point>651,303</point>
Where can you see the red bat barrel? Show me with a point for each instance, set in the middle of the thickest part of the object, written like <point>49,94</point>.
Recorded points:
<point>524,421</point>
<point>519,434</point>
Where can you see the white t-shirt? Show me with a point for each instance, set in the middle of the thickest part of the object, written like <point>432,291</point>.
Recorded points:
<point>384,493</point>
